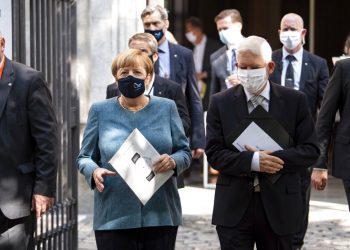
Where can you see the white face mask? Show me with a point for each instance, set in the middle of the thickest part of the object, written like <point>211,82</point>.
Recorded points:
<point>252,79</point>
<point>231,35</point>
<point>290,39</point>
<point>191,37</point>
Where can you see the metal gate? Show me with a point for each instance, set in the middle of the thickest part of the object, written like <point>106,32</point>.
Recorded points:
<point>44,37</point>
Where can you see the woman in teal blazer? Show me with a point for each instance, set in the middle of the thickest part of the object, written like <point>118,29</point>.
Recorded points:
<point>120,219</point>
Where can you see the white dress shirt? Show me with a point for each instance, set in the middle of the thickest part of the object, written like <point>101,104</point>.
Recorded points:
<point>198,54</point>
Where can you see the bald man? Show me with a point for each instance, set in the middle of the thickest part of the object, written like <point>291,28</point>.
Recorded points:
<point>298,69</point>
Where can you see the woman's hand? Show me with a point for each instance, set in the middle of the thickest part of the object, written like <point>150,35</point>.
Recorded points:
<point>164,164</point>
<point>98,175</point>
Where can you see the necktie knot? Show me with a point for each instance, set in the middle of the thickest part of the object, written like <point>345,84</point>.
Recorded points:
<point>257,100</point>
<point>291,58</point>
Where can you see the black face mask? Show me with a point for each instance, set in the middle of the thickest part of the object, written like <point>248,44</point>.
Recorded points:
<point>131,87</point>
<point>158,34</point>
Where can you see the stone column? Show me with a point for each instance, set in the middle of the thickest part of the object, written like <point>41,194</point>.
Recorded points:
<point>104,28</point>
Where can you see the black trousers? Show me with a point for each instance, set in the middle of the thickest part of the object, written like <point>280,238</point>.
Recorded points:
<point>347,190</point>
<point>144,238</point>
<point>298,239</point>
<point>16,234</point>
<point>253,228</point>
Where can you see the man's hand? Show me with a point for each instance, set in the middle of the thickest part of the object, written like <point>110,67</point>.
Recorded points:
<point>98,175</point>
<point>41,203</point>
<point>196,153</point>
<point>319,178</point>
<point>164,164</point>
<point>268,163</point>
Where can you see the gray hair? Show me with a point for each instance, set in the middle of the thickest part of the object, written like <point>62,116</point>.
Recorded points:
<point>257,46</point>
<point>149,10</point>
<point>148,38</point>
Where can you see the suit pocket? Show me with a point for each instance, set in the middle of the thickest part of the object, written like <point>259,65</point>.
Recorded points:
<point>26,168</point>
<point>223,180</point>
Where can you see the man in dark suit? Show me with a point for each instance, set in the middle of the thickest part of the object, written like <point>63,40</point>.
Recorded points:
<point>176,63</point>
<point>159,86</point>
<point>28,155</point>
<point>202,47</point>
<point>223,61</point>
<point>299,69</point>
<point>258,193</point>
<point>336,98</point>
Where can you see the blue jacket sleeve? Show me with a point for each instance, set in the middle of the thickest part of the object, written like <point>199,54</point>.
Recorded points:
<point>86,164</point>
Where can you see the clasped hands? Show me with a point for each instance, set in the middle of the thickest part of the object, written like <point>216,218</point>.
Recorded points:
<point>163,164</point>
<point>267,162</point>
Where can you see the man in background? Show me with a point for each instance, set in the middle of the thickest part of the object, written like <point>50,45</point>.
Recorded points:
<point>203,47</point>
<point>298,69</point>
<point>223,62</point>
<point>176,63</point>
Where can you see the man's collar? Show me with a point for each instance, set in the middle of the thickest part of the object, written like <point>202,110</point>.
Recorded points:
<point>2,65</point>
<point>164,46</point>
<point>298,55</point>
<point>265,93</point>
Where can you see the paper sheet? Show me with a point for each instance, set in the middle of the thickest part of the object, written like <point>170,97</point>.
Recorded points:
<point>134,163</point>
<point>255,137</point>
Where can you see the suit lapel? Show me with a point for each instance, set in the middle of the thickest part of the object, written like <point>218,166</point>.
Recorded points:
<point>158,87</point>
<point>6,83</point>
<point>174,58</point>
<point>276,104</point>
<point>305,66</point>
<point>240,104</point>
<point>278,67</point>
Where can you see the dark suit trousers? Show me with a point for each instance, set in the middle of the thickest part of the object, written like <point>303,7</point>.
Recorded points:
<point>145,238</point>
<point>347,190</point>
<point>298,239</point>
<point>253,228</point>
<point>16,234</point>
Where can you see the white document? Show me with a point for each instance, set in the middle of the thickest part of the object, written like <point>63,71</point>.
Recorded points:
<point>134,163</point>
<point>255,137</point>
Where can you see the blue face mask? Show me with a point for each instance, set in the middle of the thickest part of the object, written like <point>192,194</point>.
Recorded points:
<point>158,34</point>
<point>131,87</point>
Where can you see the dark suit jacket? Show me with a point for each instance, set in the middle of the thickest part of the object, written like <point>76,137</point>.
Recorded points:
<point>336,98</point>
<point>219,70</point>
<point>182,71</point>
<point>282,200</point>
<point>28,139</point>
<point>167,89</point>
<point>313,79</point>
<point>210,47</point>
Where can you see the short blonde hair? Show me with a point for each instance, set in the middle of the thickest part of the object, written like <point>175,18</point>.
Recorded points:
<point>132,58</point>
<point>149,10</point>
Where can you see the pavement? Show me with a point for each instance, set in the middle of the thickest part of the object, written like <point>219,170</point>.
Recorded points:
<point>329,219</point>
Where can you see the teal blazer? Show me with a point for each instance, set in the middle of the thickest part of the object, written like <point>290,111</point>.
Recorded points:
<point>108,125</point>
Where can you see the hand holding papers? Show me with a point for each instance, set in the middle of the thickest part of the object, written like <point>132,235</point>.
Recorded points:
<point>261,131</point>
<point>254,136</point>
<point>134,163</point>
